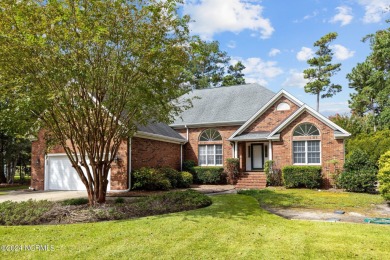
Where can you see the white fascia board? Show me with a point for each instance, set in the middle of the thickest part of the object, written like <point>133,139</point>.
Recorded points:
<point>341,136</point>
<point>157,137</point>
<point>275,137</point>
<point>313,113</point>
<point>207,124</point>
<point>265,107</point>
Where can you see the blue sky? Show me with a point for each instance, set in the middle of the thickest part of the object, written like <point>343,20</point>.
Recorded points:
<point>274,38</point>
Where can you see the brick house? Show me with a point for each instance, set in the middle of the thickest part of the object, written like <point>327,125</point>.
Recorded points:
<point>248,122</point>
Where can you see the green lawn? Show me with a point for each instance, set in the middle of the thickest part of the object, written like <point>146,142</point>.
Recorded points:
<point>316,199</point>
<point>21,187</point>
<point>234,227</point>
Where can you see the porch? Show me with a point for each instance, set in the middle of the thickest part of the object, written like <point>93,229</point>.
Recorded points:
<point>252,154</point>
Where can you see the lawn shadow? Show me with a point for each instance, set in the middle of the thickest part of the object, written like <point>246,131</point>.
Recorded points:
<point>268,198</point>
<point>229,206</point>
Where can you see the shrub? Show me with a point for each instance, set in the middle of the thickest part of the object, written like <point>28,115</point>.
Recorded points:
<point>373,144</point>
<point>384,175</point>
<point>302,176</point>
<point>357,160</point>
<point>188,165</point>
<point>274,176</point>
<point>362,180</point>
<point>233,169</point>
<point>75,202</point>
<point>172,175</point>
<point>150,179</point>
<point>186,180</point>
<point>209,175</point>
<point>23,213</point>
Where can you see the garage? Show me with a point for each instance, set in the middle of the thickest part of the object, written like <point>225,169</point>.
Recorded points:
<point>60,175</point>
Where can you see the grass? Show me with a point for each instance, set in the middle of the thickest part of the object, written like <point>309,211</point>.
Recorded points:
<point>233,227</point>
<point>10,188</point>
<point>316,199</point>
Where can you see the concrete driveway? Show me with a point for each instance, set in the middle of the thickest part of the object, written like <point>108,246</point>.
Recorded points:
<point>42,195</point>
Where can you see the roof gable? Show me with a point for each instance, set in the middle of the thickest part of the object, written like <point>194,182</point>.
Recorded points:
<point>339,132</point>
<point>264,108</point>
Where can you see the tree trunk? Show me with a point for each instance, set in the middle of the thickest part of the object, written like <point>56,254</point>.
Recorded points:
<point>318,102</point>
<point>3,179</point>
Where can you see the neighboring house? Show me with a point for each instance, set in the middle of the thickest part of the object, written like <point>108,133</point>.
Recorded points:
<point>248,122</point>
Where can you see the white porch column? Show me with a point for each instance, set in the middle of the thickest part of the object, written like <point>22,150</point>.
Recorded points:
<point>235,149</point>
<point>270,150</point>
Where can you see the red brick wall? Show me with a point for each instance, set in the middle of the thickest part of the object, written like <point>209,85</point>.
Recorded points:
<point>191,148</point>
<point>272,118</point>
<point>152,153</point>
<point>118,171</point>
<point>38,149</point>
<point>330,148</point>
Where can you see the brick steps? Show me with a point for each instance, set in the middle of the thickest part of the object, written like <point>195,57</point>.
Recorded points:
<point>252,180</point>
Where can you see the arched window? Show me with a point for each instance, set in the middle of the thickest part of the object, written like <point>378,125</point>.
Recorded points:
<point>306,151</point>
<point>210,154</point>
<point>283,106</point>
<point>306,129</point>
<point>210,135</point>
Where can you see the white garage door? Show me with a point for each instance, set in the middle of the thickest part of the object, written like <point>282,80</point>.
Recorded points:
<point>60,175</point>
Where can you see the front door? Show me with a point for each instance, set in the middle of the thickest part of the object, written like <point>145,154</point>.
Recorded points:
<point>257,156</point>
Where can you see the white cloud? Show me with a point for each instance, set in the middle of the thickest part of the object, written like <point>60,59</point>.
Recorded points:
<point>341,52</point>
<point>295,79</point>
<point>375,10</point>
<point>307,17</point>
<point>273,52</point>
<point>215,16</point>
<point>305,53</point>
<point>259,71</point>
<point>344,15</point>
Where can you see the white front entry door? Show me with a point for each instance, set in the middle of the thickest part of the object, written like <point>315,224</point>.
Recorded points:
<point>257,156</point>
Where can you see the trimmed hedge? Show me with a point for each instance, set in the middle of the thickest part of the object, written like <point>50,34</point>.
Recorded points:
<point>186,180</point>
<point>233,169</point>
<point>362,180</point>
<point>161,179</point>
<point>302,176</point>
<point>150,179</point>
<point>209,175</point>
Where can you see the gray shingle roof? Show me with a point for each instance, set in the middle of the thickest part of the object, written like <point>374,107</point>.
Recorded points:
<point>251,136</point>
<point>160,129</point>
<point>224,104</point>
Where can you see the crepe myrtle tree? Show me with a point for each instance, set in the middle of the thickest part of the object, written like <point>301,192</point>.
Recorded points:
<point>94,70</point>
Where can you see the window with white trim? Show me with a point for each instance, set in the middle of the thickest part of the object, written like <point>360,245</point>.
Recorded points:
<point>306,151</point>
<point>210,154</point>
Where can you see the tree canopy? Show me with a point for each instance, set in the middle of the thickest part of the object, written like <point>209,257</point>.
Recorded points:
<point>209,66</point>
<point>91,71</point>
<point>322,69</point>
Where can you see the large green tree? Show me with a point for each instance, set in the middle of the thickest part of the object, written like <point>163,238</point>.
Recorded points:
<point>96,69</point>
<point>207,64</point>
<point>371,82</point>
<point>235,75</point>
<point>322,69</point>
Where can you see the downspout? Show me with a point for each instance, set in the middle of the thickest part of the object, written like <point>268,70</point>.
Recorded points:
<point>181,157</point>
